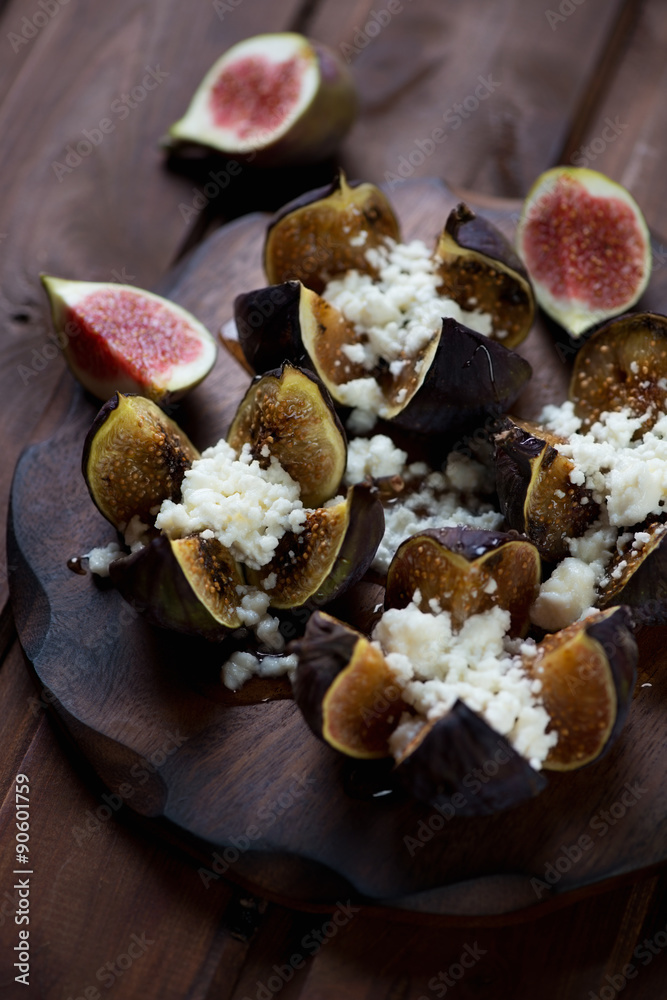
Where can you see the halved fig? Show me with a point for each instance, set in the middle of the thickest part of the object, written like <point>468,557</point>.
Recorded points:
<point>347,693</point>
<point>480,270</point>
<point>586,246</point>
<point>467,571</point>
<point>332,551</point>
<point>117,337</point>
<point>459,763</point>
<point>327,232</point>
<point>623,365</point>
<point>636,576</point>
<point>288,414</point>
<point>587,672</point>
<point>134,457</point>
<point>534,488</point>
<point>186,584</point>
<point>274,99</point>
<point>456,379</point>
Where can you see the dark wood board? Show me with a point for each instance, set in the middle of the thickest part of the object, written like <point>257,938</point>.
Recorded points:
<point>130,694</point>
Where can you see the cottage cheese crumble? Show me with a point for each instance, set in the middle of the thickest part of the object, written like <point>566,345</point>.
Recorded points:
<point>435,666</point>
<point>626,469</point>
<point>234,499</point>
<point>430,499</point>
<point>396,316</point>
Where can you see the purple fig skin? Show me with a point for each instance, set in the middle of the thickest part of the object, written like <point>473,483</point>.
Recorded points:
<point>470,378</point>
<point>269,330</point>
<point>471,543</point>
<point>616,638</point>
<point>444,767</point>
<point>514,469</point>
<point>325,649</point>
<point>473,232</point>
<point>152,581</point>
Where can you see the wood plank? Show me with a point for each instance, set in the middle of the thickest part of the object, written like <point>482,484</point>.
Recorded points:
<point>113,213</point>
<point>413,72</point>
<point>624,134</point>
<point>102,890</point>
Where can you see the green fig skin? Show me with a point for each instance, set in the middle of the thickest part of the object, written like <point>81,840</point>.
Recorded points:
<point>155,583</point>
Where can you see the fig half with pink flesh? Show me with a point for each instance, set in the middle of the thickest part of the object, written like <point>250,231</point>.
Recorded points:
<point>585,245</point>
<point>534,488</point>
<point>587,673</point>
<point>464,767</point>
<point>134,457</point>
<point>467,571</point>
<point>327,232</point>
<point>344,688</point>
<point>117,337</point>
<point>287,414</point>
<point>273,99</point>
<point>480,270</point>
<point>623,365</point>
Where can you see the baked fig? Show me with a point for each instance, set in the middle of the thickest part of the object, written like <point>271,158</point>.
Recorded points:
<point>330,553</point>
<point>186,584</point>
<point>273,99</point>
<point>455,379</point>
<point>117,337</point>
<point>344,688</point>
<point>444,761</point>
<point>327,232</point>
<point>586,246</point>
<point>134,457</point>
<point>288,414</point>
<point>479,269</point>
<point>534,488</point>
<point>466,571</point>
<point>623,365</point>
<point>587,673</point>
<point>636,576</point>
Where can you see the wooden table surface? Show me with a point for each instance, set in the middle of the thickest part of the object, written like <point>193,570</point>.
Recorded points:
<point>114,909</point>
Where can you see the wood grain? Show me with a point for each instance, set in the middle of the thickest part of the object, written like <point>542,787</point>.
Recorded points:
<point>160,704</point>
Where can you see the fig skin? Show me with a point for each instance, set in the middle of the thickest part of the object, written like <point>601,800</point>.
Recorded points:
<point>188,585</point>
<point>446,765</point>
<point>455,566</point>
<point>479,263</point>
<point>134,457</point>
<point>603,376</point>
<point>344,688</point>
<point>290,411</point>
<point>600,226</point>
<point>309,238</point>
<point>528,471</point>
<point>313,134</point>
<point>464,376</point>
<point>269,328</point>
<point>588,673</point>
<point>108,333</point>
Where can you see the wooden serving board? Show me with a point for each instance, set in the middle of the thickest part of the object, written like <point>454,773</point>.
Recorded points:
<point>241,778</point>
